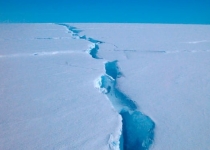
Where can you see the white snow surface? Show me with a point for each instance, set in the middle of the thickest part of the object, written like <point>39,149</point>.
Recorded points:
<point>48,99</point>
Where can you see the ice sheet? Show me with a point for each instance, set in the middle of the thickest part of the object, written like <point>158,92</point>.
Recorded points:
<point>48,72</point>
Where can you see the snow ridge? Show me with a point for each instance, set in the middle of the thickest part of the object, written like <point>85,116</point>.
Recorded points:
<point>137,132</point>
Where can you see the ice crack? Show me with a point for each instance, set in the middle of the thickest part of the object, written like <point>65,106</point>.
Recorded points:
<point>94,46</point>
<point>137,128</point>
<point>137,131</point>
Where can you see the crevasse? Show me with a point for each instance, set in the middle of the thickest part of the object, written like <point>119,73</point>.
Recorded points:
<point>137,131</point>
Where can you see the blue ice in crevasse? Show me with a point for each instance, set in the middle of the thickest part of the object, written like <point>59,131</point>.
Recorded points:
<point>137,131</point>
<point>112,69</point>
<point>137,128</point>
<point>94,50</point>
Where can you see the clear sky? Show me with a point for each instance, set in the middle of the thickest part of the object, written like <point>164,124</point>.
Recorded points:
<point>123,11</point>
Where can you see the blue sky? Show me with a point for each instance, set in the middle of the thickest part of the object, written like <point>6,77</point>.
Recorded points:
<point>131,11</point>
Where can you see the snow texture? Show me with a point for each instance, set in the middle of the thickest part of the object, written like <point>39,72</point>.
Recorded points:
<point>155,79</point>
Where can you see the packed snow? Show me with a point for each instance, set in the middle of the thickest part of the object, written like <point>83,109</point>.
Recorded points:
<point>104,86</point>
